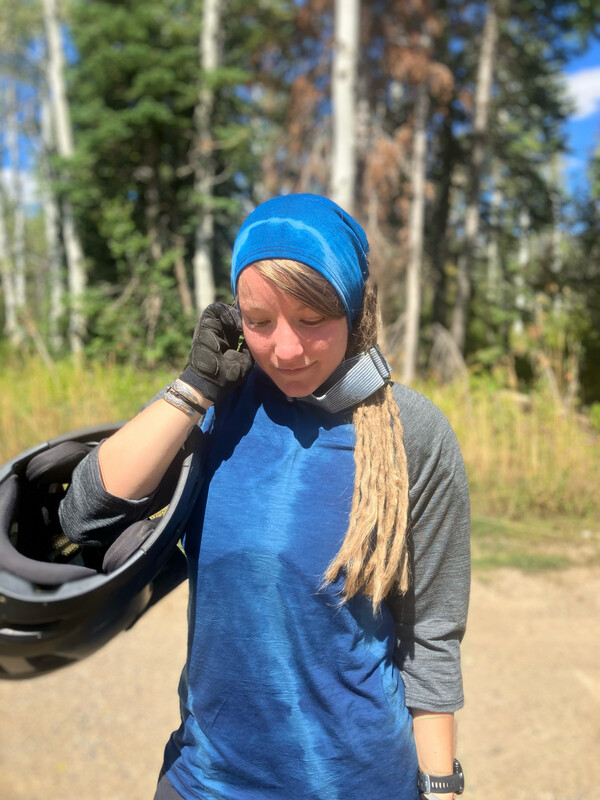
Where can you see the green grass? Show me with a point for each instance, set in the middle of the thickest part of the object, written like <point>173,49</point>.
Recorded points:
<point>533,545</point>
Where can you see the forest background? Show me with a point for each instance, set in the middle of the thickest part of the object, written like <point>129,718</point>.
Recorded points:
<point>152,127</point>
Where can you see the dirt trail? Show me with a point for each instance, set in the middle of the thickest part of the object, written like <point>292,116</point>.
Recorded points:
<point>96,731</point>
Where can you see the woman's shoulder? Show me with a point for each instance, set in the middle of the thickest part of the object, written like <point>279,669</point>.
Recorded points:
<point>417,409</point>
<point>427,431</point>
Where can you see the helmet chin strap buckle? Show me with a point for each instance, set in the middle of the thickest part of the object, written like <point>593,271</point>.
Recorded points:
<point>352,382</point>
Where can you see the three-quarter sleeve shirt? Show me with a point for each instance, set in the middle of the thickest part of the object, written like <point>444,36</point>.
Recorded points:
<point>287,692</point>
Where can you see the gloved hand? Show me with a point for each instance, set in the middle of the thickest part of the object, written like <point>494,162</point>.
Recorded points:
<point>217,362</point>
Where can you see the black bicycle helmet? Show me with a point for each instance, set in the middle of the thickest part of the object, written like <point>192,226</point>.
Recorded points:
<point>59,601</point>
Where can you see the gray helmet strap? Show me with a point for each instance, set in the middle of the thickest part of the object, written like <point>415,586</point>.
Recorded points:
<point>352,382</point>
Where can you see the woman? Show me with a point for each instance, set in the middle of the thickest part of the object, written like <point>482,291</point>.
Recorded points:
<point>328,552</point>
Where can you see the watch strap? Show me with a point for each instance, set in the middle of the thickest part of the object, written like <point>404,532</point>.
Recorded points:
<point>442,784</point>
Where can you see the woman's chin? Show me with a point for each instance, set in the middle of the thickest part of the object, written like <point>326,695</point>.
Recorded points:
<point>295,389</point>
<point>296,383</point>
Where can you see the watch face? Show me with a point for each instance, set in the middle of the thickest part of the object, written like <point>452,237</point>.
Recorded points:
<point>459,772</point>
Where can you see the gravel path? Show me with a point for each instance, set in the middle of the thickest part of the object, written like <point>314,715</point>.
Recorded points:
<point>96,731</point>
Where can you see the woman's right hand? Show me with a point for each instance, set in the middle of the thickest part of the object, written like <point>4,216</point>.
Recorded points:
<point>219,358</point>
<point>133,460</point>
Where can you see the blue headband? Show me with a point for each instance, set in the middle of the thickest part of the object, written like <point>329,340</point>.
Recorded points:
<point>314,231</point>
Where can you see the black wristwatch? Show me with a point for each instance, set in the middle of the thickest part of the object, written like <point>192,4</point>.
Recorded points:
<point>442,784</point>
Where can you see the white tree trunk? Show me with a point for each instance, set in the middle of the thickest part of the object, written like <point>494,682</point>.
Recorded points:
<point>16,195</point>
<point>64,142</point>
<point>6,273</point>
<point>51,230</point>
<point>493,250</point>
<point>204,281</point>
<point>519,279</point>
<point>556,264</point>
<point>12,326</point>
<point>204,167</point>
<point>415,246</point>
<point>343,94</point>
<point>483,93</point>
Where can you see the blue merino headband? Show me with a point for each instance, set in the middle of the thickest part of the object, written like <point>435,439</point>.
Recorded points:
<point>314,231</point>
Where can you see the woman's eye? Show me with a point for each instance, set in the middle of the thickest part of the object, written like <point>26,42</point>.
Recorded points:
<point>312,322</point>
<point>256,323</point>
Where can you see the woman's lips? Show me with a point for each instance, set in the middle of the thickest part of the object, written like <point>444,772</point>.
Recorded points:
<point>293,370</point>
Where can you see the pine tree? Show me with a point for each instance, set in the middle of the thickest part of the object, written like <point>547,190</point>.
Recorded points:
<point>142,184</point>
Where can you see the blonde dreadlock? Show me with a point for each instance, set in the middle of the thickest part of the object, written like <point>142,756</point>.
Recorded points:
<point>374,556</point>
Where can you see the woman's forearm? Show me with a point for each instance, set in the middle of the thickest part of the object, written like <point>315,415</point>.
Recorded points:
<point>134,460</point>
<point>435,742</point>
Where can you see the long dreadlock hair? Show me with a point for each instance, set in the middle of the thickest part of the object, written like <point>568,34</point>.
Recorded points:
<point>374,555</point>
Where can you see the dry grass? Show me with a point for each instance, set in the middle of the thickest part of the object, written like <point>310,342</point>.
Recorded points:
<point>524,456</point>
<point>38,403</point>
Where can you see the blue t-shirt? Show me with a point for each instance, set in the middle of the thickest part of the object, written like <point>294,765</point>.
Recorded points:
<point>286,693</point>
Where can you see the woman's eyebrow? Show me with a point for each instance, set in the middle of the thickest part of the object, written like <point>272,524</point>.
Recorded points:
<point>248,307</point>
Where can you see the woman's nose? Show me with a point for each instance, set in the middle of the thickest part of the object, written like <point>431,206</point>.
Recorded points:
<point>287,344</point>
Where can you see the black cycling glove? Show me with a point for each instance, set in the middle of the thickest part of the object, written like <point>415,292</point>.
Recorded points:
<point>219,359</point>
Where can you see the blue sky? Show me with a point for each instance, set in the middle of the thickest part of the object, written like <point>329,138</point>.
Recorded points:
<point>583,128</point>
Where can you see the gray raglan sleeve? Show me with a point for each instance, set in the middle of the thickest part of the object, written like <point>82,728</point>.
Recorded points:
<point>89,514</point>
<point>431,618</point>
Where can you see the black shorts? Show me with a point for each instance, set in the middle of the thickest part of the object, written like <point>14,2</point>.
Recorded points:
<point>165,789</point>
